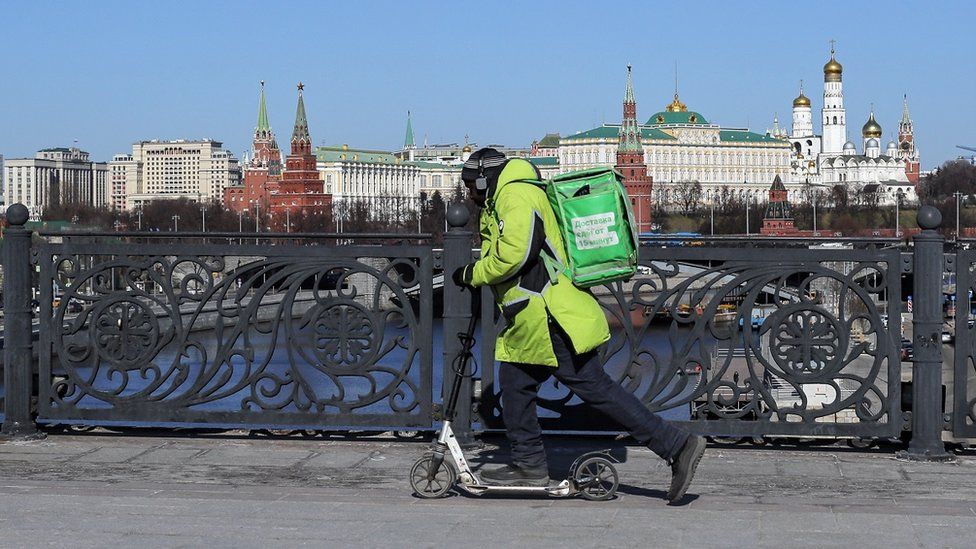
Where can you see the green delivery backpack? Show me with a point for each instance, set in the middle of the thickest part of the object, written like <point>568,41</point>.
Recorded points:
<point>597,225</point>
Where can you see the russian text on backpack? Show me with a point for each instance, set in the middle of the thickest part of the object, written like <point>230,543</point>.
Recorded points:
<point>597,226</point>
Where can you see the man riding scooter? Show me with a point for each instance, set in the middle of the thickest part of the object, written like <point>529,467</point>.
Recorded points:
<point>553,329</point>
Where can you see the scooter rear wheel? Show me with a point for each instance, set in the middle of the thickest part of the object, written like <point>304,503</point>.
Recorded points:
<point>431,486</point>
<point>596,479</point>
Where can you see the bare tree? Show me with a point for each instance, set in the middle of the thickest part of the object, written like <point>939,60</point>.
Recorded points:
<point>949,178</point>
<point>688,196</point>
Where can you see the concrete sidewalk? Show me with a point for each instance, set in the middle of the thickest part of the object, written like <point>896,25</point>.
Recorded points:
<point>95,490</point>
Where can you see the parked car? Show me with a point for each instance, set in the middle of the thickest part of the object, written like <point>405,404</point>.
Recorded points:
<point>907,351</point>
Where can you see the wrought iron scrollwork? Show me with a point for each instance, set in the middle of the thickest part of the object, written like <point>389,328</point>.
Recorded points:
<point>964,370</point>
<point>748,345</point>
<point>320,337</point>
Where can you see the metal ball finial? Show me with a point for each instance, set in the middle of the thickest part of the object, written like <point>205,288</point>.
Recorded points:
<point>17,214</point>
<point>929,217</point>
<point>457,215</point>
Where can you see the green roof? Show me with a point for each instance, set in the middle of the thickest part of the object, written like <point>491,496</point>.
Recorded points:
<point>680,117</point>
<point>613,132</point>
<point>549,141</point>
<point>541,161</point>
<point>345,154</point>
<point>743,135</point>
<point>367,156</point>
<point>433,165</point>
<point>54,225</point>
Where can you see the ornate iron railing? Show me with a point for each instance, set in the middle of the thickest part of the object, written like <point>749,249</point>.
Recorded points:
<point>737,338</point>
<point>963,396</point>
<point>274,335</point>
<point>749,341</point>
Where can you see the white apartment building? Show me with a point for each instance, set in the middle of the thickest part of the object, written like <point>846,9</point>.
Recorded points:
<point>123,169</point>
<point>162,170</point>
<point>60,175</point>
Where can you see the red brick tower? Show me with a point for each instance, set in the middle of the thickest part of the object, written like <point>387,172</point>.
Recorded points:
<point>300,189</point>
<point>262,172</point>
<point>778,220</point>
<point>265,146</point>
<point>630,161</point>
<point>906,145</point>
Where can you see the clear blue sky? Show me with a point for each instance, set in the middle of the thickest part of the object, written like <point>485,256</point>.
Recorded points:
<point>110,73</point>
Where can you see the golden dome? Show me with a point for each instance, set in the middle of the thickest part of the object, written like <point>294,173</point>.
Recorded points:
<point>801,101</point>
<point>467,149</point>
<point>871,127</point>
<point>676,105</point>
<point>832,70</point>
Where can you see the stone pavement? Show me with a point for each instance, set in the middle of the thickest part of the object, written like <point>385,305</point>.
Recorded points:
<point>100,489</point>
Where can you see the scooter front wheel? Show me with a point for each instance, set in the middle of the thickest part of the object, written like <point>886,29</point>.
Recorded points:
<point>429,484</point>
<point>596,479</point>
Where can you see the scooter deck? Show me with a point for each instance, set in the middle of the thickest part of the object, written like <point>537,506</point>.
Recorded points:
<point>563,489</point>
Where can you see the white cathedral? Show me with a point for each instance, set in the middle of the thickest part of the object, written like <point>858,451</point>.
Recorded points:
<point>821,162</point>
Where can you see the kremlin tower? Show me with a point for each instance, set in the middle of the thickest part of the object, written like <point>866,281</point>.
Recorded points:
<point>802,116</point>
<point>906,145</point>
<point>300,190</point>
<point>630,161</point>
<point>778,220</point>
<point>263,172</point>
<point>834,115</point>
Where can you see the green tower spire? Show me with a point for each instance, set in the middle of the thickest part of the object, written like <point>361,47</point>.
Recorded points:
<point>300,133</point>
<point>905,119</point>
<point>264,127</point>
<point>629,93</point>
<point>630,134</point>
<point>408,142</point>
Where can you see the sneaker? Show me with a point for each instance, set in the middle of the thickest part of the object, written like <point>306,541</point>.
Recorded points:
<point>683,466</point>
<point>514,475</point>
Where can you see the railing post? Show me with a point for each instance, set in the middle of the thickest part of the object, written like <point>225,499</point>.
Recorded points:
<point>18,359</point>
<point>457,314</point>
<point>927,406</point>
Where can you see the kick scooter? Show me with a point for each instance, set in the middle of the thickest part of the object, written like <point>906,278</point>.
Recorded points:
<point>592,475</point>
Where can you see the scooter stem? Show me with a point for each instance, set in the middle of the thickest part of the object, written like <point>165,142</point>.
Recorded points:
<point>460,364</point>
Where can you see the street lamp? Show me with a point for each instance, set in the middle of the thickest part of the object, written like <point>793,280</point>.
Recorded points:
<point>139,214</point>
<point>711,207</point>
<point>898,197</point>
<point>288,221</point>
<point>957,195</point>
<point>176,223</point>
<point>341,210</point>
<point>203,212</point>
<point>117,224</point>
<point>257,217</point>
<point>816,194</point>
<point>748,204</point>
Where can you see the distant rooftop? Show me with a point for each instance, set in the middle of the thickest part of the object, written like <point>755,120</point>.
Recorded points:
<point>541,161</point>
<point>551,140</point>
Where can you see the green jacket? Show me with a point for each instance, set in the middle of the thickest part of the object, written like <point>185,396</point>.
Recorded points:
<point>517,227</point>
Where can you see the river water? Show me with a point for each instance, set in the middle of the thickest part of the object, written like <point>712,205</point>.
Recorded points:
<point>299,356</point>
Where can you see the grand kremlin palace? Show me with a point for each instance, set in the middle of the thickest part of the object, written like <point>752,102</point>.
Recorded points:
<point>682,145</point>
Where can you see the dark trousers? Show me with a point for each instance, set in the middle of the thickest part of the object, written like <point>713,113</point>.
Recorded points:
<point>584,375</point>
